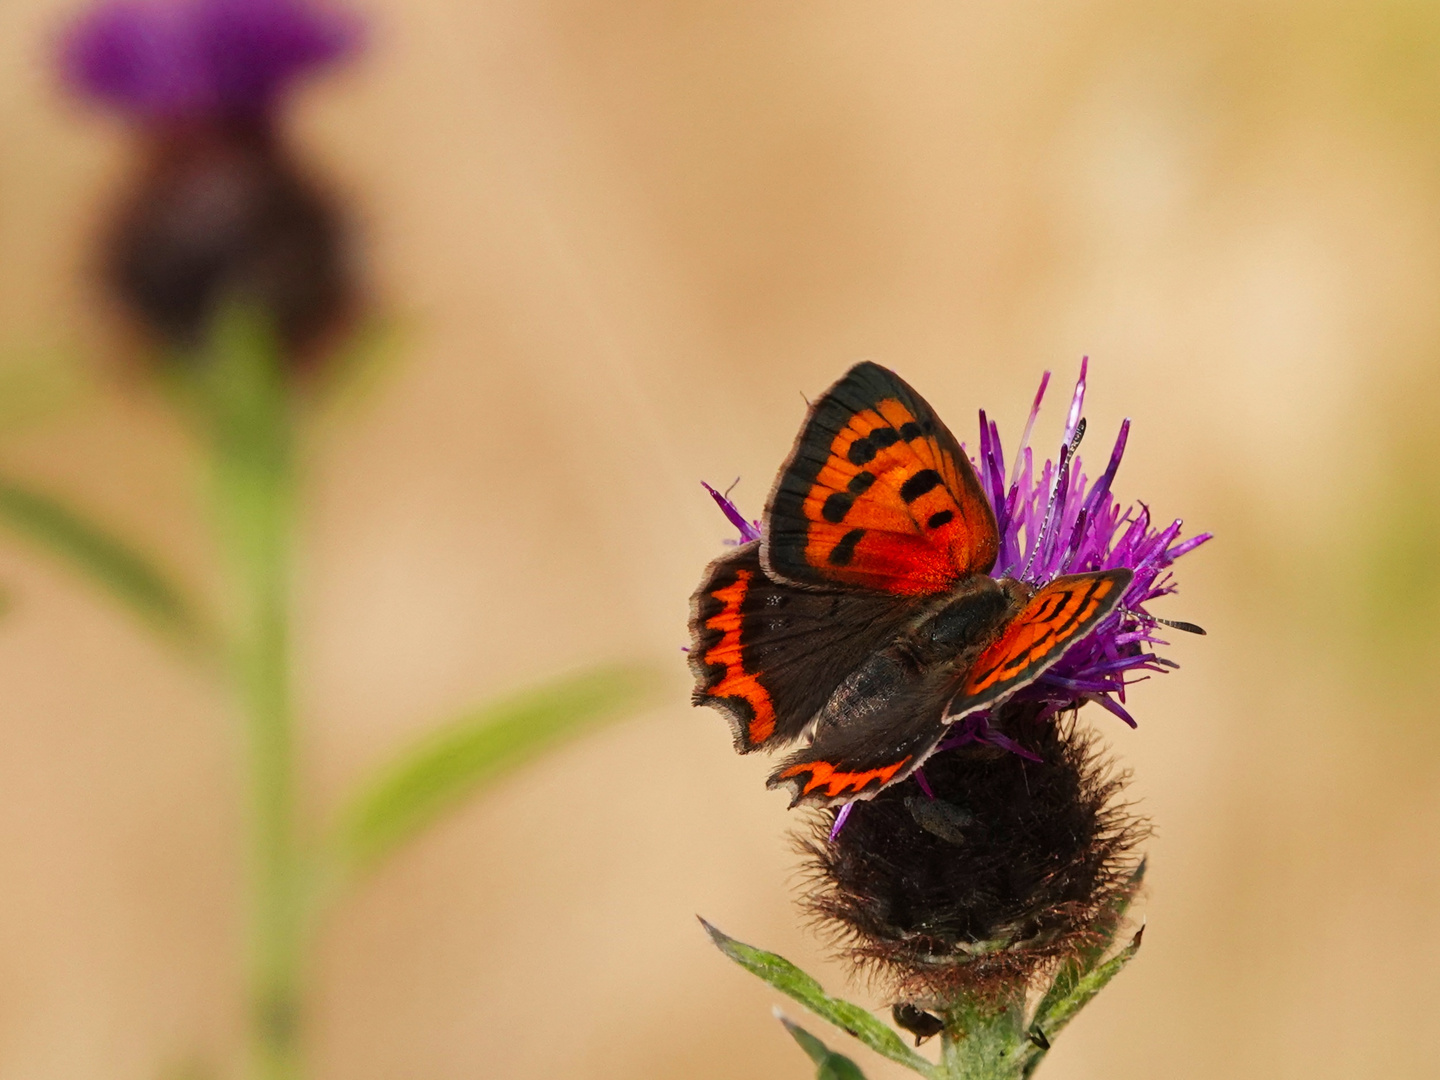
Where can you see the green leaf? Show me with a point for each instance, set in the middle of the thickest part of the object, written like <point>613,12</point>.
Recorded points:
<point>1062,1010</point>
<point>89,547</point>
<point>1072,971</point>
<point>469,755</point>
<point>789,979</point>
<point>828,1064</point>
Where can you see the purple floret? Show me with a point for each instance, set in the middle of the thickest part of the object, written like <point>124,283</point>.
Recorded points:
<point>169,60</point>
<point>749,530</point>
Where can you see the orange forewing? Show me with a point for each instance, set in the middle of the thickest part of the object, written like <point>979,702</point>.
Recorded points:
<point>1053,619</point>
<point>877,494</point>
<point>916,547</point>
<point>758,710</point>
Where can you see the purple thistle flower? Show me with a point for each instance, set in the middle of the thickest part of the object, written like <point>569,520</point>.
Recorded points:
<point>1054,521</point>
<point>221,214</point>
<point>201,59</point>
<point>749,530</point>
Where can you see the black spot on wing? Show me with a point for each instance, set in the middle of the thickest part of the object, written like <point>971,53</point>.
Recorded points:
<point>862,451</point>
<point>940,517</point>
<point>923,481</point>
<point>837,505</point>
<point>844,551</point>
<point>861,481</point>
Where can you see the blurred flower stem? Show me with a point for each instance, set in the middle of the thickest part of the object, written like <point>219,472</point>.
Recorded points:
<point>247,416</point>
<point>236,268</point>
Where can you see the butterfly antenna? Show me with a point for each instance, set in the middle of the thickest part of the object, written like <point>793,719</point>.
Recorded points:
<point>1075,439</point>
<point>1062,479</point>
<point>1176,624</point>
<point>731,487</point>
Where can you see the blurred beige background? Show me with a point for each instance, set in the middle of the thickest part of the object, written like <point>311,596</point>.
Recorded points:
<point>621,240</point>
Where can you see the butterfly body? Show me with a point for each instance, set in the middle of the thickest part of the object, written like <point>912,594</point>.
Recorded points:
<point>968,618</point>
<point>865,621</point>
<point>930,653</point>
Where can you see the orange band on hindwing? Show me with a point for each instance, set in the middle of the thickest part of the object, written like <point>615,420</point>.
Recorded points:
<point>837,783</point>
<point>737,683</point>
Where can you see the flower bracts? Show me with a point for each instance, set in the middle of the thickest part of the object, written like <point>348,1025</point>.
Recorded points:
<point>1005,866</point>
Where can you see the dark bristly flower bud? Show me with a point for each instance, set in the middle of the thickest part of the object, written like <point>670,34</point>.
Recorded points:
<point>220,214</point>
<point>1005,866</point>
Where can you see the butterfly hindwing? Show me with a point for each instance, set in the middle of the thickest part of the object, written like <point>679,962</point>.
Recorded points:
<point>877,494</point>
<point>769,654</point>
<point>882,722</point>
<point>1054,618</point>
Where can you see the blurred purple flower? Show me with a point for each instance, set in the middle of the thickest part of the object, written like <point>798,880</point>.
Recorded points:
<point>221,211</point>
<point>175,60</point>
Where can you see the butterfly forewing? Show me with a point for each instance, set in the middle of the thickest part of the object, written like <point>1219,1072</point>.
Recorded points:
<point>770,654</point>
<point>877,494</point>
<point>1055,618</point>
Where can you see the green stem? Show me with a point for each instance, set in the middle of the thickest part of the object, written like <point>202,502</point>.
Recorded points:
<point>985,1043</point>
<point>247,415</point>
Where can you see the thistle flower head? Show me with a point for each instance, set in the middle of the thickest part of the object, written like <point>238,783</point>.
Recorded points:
<point>176,60</point>
<point>221,213</point>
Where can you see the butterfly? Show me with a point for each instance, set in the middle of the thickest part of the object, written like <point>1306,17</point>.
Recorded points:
<point>864,621</point>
